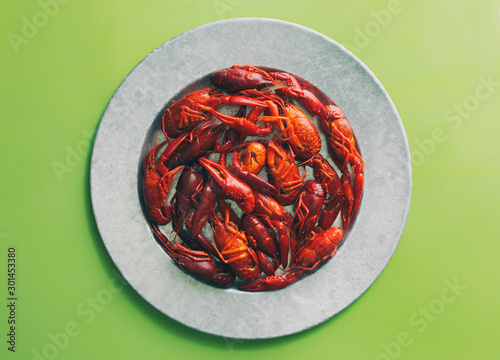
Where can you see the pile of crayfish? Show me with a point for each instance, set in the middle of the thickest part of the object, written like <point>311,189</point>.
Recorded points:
<point>237,154</point>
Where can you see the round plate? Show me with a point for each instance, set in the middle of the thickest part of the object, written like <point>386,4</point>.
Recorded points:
<point>138,103</point>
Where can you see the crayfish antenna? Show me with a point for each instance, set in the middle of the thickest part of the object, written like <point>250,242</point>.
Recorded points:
<point>308,161</point>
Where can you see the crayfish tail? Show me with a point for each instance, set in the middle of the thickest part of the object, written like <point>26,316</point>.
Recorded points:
<point>270,283</point>
<point>358,184</point>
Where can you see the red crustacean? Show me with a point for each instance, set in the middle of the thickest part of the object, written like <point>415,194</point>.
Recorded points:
<point>234,249</point>
<point>340,131</point>
<point>295,127</point>
<point>238,78</point>
<point>235,188</point>
<point>327,176</point>
<point>262,241</point>
<point>259,236</point>
<point>316,250</point>
<point>275,216</point>
<point>189,207</point>
<point>197,263</point>
<point>245,125</point>
<point>283,172</point>
<point>308,207</point>
<point>332,186</point>
<point>188,189</point>
<point>195,144</point>
<point>156,185</point>
<point>293,89</point>
<point>268,209</point>
<point>205,206</point>
<point>254,159</point>
<point>264,179</point>
<point>185,113</point>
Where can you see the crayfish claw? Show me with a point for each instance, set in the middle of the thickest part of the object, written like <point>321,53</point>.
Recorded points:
<point>235,188</point>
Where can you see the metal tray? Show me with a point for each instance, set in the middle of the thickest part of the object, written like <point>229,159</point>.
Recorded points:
<point>127,125</point>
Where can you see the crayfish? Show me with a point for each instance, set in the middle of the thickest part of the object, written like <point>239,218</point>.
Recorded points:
<point>228,183</point>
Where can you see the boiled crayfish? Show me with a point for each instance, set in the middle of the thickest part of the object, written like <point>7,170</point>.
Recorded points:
<point>283,223</point>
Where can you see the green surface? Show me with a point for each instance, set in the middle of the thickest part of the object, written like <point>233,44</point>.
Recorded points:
<point>438,297</point>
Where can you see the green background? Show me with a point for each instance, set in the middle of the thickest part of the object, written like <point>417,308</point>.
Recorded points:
<point>439,296</point>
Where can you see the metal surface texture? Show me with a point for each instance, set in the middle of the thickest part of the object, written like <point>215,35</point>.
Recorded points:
<point>128,123</point>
